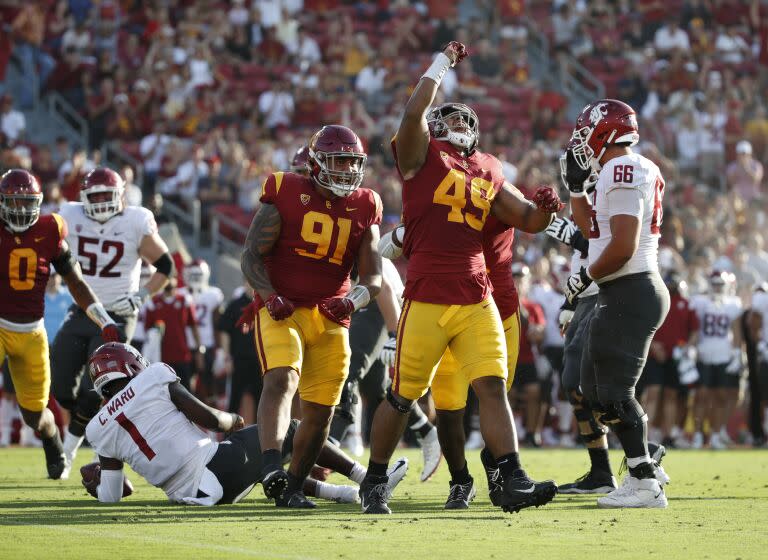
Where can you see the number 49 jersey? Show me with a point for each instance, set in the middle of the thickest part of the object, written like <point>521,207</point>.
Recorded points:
<point>108,252</point>
<point>632,185</point>
<point>319,238</point>
<point>715,334</point>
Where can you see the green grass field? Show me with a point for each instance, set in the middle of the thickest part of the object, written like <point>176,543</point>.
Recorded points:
<point>718,508</point>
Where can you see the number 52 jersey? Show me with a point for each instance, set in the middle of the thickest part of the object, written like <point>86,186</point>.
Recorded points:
<point>108,252</point>
<point>319,238</point>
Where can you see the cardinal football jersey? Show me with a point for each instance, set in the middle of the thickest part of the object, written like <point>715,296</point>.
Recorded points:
<point>319,238</point>
<point>715,334</point>
<point>143,428</point>
<point>25,264</point>
<point>498,242</point>
<point>108,252</point>
<point>445,207</point>
<point>632,185</point>
<point>760,305</point>
<point>206,302</point>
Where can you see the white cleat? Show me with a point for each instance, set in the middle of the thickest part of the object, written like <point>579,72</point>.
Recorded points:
<point>635,493</point>
<point>67,469</point>
<point>661,475</point>
<point>697,442</point>
<point>430,449</point>
<point>396,473</point>
<point>716,442</point>
<point>347,495</point>
<point>474,441</point>
<point>725,437</point>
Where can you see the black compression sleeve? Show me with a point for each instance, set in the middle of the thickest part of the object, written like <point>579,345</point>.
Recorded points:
<point>64,263</point>
<point>164,265</point>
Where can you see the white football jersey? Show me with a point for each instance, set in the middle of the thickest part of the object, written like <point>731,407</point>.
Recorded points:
<point>631,184</point>
<point>550,301</point>
<point>760,305</point>
<point>108,252</point>
<point>206,302</point>
<point>143,428</point>
<point>715,333</point>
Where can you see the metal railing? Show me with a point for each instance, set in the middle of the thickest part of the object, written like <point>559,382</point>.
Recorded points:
<point>190,219</point>
<point>112,153</point>
<point>66,116</point>
<point>580,85</point>
<point>222,244</point>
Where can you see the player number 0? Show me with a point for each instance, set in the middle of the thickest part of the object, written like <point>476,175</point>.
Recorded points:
<point>22,276</point>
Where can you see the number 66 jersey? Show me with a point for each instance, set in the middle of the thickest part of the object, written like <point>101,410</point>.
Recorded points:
<point>108,252</point>
<point>632,185</point>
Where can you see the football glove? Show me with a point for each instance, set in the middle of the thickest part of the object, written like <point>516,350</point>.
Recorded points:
<point>547,200</point>
<point>391,243</point>
<point>278,307</point>
<point>247,317</point>
<point>337,309</point>
<point>735,366</point>
<point>685,356</point>
<point>561,229</point>
<point>573,176</point>
<point>130,304</point>
<point>455,51</point>
<point>388,352</point>
<point>577,284</point>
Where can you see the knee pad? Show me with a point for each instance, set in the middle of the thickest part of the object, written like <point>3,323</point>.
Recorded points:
<point>401,404</point>
<point>623,415</point>
<point>590,428</point>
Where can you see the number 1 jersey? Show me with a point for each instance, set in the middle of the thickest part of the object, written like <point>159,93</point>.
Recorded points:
<point>108,252</point>
<point>319,238</point>
<point>445,206</point>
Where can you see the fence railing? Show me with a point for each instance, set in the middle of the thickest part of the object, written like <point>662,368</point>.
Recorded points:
<point>66,116</point>
<point>222,244</point>
<point>189,219</point>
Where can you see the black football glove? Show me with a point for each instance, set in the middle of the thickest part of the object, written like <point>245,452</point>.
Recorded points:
<point>577,284</point>
<point>572,175</point>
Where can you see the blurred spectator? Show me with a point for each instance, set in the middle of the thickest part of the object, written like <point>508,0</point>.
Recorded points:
<point>687,141</point>
<point>184,185</point>
<point>671,37</point>
<point>133,195</point>
<point>43,166</point>
<point>152,150</point>
<point>28,32</point>
<point>712,143</point>
<point>371,78</point>
<point>12,122</point>
<point>730,46</point>
<point>276,105</point>
<point>72,172</point>
<point>745,175</point>
<point>564,24</point>
<point>485,62</point>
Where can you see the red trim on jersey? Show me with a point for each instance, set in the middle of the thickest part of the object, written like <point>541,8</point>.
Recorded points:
<point>403,317</point>
<point>260,345</point>
<point>136,436</point>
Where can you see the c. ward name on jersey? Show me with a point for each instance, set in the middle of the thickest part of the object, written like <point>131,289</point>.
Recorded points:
<point>116,404</point>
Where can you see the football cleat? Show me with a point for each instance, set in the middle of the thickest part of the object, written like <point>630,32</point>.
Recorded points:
<point>396,473</point>
<point>520,492</point>
<point>716,442</point>
<point>635,493</point>
<point>460,495</point>
<point>657,453</point>
<point>274,483</point>
<point>697,442</point>
<point>593,482</point>
<point>493,476</point>
<point>56,460</point>
<point>374,495</point>
<point>430,449</point>
<point>295,499</point>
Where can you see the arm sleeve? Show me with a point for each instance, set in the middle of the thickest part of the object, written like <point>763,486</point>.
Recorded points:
<point>628,201</point>
<point>110,489</point>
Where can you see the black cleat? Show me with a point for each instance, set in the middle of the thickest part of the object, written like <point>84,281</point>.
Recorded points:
<point>374,494</point>
<point>532,440</point>
<point>493,475</point>
<point>55,458</point>
<point>274,483</point>
<point>295,499</point>
<point>520,492</point>
<point>460,495</point>
<point>594,482</point>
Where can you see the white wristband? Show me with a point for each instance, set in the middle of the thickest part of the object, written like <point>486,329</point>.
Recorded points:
<point>360,296</point>
<point>578,194</point>
<point>98,314</point>
<point>438,68</point>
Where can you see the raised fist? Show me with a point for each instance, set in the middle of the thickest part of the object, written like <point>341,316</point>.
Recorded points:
<point>547,200</point>
<point>455,51</point>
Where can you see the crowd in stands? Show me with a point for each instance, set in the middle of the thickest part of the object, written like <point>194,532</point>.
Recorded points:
<point>212,96</point>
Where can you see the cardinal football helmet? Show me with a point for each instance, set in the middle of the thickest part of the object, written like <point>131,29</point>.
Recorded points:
<point>599,125</point>
<point>196,275</point>
<point>102,180</point>
<point>337,159</point>
<point>455,123</point>
<point>300,161</point>
<point>20,199</point>
<point>112,361</point>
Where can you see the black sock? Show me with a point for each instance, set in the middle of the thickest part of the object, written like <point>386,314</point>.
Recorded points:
<point>53,447</point>
<point>488,459</point>
<point>294,483</point>
<point>634,440</point>
<point>509,464</point>
<point>643,470</point>
<point>461,476</point>
<point>377,470</point>
<point>77,425</point>
<point>273,460</point>
<point>600,460</point>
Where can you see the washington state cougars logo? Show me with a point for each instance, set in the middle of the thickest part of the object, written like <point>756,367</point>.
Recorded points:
<point>304,199</point>
<point>597,113</point>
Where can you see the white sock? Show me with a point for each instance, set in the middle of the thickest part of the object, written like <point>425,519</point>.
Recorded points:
<point>326,491</point>
<point>564,416</point>
<point>358,473</point>
<point>6,418</point>
<point>635,461</point>
<point>27,436</point>
<point>72,444</point>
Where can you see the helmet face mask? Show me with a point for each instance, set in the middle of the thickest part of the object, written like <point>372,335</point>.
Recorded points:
<point>599,125</point>
<point>337,160</point>
<point>20,200</point>
<point>455,123</point>
<point>102,194</point>
<point>197,275</point>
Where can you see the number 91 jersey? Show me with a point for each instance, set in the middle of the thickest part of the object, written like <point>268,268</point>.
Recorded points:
<point>319,238</point>
<point>108,252</point>
<point>630,185</point>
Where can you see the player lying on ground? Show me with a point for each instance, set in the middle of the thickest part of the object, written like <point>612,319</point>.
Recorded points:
<point>150,421</point>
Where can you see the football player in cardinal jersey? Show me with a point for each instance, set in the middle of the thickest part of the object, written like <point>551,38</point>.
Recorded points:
<point>109,240</point>
<point>208,302</point>
<point>150,421</point>
<point>29,245</point>
<point>298,255</point>
<point>623,221</point>
<point>450,188</point>
<point>720,359</point>
<point>300,161</point>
